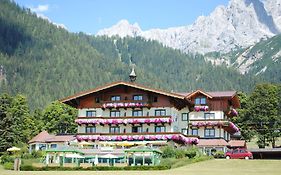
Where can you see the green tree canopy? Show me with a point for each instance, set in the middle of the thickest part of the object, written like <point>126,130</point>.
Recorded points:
<point>59,118</point>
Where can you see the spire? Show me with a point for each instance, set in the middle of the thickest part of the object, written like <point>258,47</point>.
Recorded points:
<point>133,75</point>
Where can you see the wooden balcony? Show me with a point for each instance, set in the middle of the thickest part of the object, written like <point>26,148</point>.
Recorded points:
<point>125,104</point>
<point>127,117</point>
<point>124,120</point>
<point>144,136</point>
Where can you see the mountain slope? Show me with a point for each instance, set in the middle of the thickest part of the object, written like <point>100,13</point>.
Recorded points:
<point>45,62</point>
<point>262,59</point>
<point>241,24</point>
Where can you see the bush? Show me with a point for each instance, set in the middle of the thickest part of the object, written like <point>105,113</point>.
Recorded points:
<point>191,152</point>
<point>37,154</point>
<point>218,154</point>
<point>174,163</point>
<point>27,168</point>
<point>8,166</point>
<point>168,152</point>
<point>7,158</point>
<point>180,153</point>
<point>95,168</point>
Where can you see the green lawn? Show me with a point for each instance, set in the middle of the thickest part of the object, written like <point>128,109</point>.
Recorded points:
<point>211,167</point>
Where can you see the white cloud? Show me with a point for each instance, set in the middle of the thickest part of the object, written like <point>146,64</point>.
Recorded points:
<point>40,8</point>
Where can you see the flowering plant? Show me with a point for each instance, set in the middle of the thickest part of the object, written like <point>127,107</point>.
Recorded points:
<point>122,121</point>
<point>174,137</point>
<point>116,105</point>
<point>201,108</point>
<point>207,123</point>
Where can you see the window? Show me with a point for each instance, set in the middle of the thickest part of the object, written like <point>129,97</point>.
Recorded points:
<point>209,132</point>
<point>194,132</point>
<point>242,151</point>
<point>160,112</point>
<point>54,145</point>
<point>97,99</point>
<point>114,129</point>
<point>184,131</point>
<point>115,98</point>
<point>200,100</point>
<point>155,99</point>
<point>160,129</point>
<point>90,129</point>
<point>42,146</point>
<point>137,97</point>
<point>90,113</point>
<point>209,116</point>
<point>114,113</point>
<point>184,116</point>
<point>137,113</point>
<point>137,129</point>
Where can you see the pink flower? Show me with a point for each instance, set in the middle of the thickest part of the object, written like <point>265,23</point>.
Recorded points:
<point>152,138</point>
<point>175,137</point>
<point>141,138</point>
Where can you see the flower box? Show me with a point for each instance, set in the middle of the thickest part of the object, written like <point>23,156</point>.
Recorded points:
<point>201,108</point>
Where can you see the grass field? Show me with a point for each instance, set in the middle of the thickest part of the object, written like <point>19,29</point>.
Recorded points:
<point>211,167</point>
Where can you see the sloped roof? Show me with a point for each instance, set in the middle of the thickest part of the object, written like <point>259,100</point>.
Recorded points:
<point>198,91</point>
<point>215,94</point>
<point>133,85</point>
<point>222,94</point>
<point>237,143</point>
<point>212,142</point>
<point>41,137</point>
<point>61,138</point>
<point>45,137</point>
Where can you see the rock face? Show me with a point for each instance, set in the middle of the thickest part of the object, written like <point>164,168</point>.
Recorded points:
<point>241,24</point>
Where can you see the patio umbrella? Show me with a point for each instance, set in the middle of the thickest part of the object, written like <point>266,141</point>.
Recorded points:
<point>126,143</point>
<point>84,143</point>
<point>12,149</point>
<point>74,156</point>
<point>109,156</point>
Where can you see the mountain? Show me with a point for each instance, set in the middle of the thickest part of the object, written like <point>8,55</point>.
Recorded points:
<point>241,24</point>
<point>46,62</point>
<point>262,59</point>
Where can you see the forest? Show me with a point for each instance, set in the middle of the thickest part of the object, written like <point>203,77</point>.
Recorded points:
<point>46,63</point>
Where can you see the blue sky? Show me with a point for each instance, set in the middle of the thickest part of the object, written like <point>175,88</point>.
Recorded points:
<point>89,16</point>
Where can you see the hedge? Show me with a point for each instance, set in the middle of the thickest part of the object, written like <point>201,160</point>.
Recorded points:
<point>8,166</point>
<point>95,168</point>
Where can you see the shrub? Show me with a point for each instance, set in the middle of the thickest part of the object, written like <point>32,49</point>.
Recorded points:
<point>8,166</point>
<point>191,152</point>
<point>27,168</point>
<point>168,152</point>
<point>37,154</point>
<point>96,168</point>
<point>7,158</point>
<point>180,153</point>
<point>218,154</point>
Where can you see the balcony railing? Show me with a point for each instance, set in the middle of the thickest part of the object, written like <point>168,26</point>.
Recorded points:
<point>124,120</point>
<point>177,137</point>
<point>227,125</point>
<point>125,104</point>
<point>201,108</point>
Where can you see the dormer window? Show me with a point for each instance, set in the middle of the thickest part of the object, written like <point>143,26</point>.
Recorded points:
<point>115,98</point>
<point>137,97</point>
<point>200,101</point>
